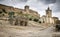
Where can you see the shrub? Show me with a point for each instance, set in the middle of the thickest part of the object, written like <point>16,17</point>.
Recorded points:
<point>4,10</point>
<point>30,18</point>
<point>43,21</point>
<point>36,20</point>
<point>39,21</point>
<point>0,12</point>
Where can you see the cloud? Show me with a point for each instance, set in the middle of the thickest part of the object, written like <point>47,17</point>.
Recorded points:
<point>12,2</point>
<point>19,1</point>
<point>1,0</point>
<point>48,1</point>
<point>57,6</point>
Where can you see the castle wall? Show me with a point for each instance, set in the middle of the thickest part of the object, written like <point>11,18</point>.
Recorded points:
<point>17,11</point>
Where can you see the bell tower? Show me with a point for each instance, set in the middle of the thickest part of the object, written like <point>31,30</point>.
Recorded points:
<point>49,12</point>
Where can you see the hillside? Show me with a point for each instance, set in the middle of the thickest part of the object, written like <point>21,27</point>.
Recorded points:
<point>17,11</point>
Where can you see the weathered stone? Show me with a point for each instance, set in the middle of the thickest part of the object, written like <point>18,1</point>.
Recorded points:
<point>22,21</point>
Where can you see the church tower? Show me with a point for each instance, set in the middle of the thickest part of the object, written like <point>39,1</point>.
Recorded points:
<point>49,12</point>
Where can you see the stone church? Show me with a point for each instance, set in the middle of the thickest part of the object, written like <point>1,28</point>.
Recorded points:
<point>48,17</point>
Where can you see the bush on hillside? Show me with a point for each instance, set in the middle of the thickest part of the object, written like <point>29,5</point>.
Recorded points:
<point>30,18</point>
<point>36,20</point>
<point>39,21</point>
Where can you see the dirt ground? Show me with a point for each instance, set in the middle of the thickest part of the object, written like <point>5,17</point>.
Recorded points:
<point>26,31</point>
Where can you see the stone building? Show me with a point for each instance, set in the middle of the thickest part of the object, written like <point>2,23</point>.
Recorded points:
<point>43,19</point>
<point>55,19</point>
<point>48,17</point>
<point>48,12</point>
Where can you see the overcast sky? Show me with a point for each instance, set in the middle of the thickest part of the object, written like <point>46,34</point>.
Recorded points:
<point>38,5</point>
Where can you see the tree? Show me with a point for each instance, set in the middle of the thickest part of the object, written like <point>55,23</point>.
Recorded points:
<point>0,12</point>
<point>58,22</point>
<point>4,11</point>
<point>39,21</point>
<point>30,18</point>
<point>11,16</point>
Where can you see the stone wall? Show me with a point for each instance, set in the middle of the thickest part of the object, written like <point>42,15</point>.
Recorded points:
<point>17,10</point>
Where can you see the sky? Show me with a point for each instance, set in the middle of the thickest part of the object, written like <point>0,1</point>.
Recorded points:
<point>38,5</point>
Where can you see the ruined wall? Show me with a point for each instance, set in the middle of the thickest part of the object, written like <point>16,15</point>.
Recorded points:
<point>17,11</point>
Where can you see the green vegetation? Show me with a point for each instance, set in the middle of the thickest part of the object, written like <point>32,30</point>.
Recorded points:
<point>26,15</point>
<point>4,11</point>
<point>39,21</point>
<point>0,12</point>
<point>36,20</point>
<point>11,14</point>
<point>30,18</point>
